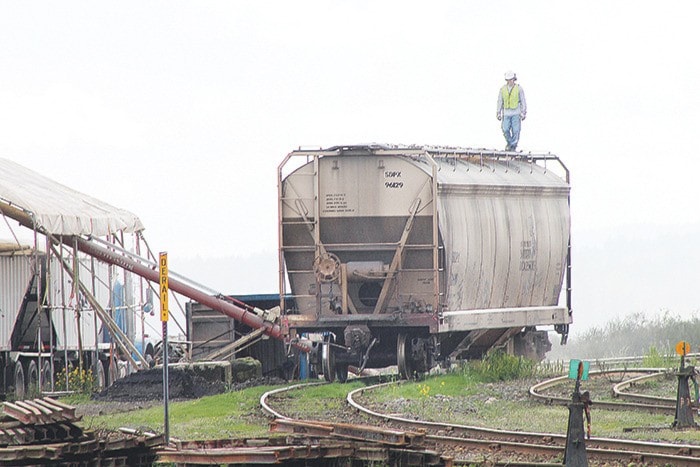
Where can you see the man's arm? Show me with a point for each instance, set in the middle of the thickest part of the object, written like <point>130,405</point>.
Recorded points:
<point>523,104</point>
<point>499,105</point>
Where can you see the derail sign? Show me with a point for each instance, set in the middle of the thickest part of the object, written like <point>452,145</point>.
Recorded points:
<point>163,286</point>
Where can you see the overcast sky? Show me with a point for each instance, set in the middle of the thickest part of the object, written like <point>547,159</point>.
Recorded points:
<point>181,112</point>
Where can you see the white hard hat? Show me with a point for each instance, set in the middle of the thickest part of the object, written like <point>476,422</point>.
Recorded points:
<point>510,75</point>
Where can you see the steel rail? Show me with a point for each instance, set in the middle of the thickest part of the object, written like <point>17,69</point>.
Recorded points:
<point>602,448</point>
<point>618,390</point>
<point>489,439</point>
<point>647,403</point>
<point>545,443</point>
<point>272,412</point>
<point>554,451</point>
<point>300,449</point>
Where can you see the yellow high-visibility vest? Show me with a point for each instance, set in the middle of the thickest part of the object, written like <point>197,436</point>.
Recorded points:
<point>511,98</point>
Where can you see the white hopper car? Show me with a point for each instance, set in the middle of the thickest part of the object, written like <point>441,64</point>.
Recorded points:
<point>413,255</point>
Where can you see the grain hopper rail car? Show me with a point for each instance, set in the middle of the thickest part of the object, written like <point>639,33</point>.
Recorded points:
<point>412,255</point>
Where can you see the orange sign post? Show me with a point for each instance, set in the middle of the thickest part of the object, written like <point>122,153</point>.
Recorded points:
<point>164,315</point>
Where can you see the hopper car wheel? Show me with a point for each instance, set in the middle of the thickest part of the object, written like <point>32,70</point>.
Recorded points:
<point>32,377</point>
<point>328,359</point>
<point>20,388</point>
<point>46,376</point>
<point>403,356</point>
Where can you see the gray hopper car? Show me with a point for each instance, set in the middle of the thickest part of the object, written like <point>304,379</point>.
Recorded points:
<point>412,255</point>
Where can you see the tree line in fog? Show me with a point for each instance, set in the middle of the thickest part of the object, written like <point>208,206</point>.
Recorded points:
<point>630,336</point>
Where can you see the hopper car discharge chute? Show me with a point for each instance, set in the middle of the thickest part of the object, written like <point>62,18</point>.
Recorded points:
<point>412,255</point>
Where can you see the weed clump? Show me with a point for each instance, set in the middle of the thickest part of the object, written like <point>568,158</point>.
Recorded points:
<point>77,380</point>
<point>500,366</point>
<point>656,359</point>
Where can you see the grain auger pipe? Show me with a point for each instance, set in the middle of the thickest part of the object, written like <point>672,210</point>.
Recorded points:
<point>90,248</point>
<point>215,303</point>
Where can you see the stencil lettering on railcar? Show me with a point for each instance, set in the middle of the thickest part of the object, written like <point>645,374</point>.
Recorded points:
<point>527,255</point>
<point>336,202</point>
<point>391,179</point>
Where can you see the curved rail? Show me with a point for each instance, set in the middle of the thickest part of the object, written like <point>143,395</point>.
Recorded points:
<point>453,428</point>
<point>618,390</point>
<point>602,448</point>
<point>485,439</point>
<point>273,413</point>
<point>648,403</point>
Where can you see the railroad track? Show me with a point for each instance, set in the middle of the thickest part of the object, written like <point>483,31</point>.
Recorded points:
<point>628,400</point>
<point>467,443</point>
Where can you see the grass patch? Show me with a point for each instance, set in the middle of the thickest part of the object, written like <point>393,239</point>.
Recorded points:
<point>453,384</point>
<point>230,415</point>
<point>461,396</point>
<point>76,399</point>
<point>314,401</point>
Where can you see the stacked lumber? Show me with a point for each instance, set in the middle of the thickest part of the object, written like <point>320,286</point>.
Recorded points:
<point>44,432</point>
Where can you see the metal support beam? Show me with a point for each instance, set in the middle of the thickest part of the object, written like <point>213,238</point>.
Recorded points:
<point>120,338</point>
<point>398,257</point>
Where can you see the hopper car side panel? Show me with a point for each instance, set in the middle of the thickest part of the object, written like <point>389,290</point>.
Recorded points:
<point>501,248</point>
<point>558,215</point>
<point>364,208</point>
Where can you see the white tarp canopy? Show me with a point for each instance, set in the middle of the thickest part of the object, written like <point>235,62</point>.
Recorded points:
<point>60,210</point>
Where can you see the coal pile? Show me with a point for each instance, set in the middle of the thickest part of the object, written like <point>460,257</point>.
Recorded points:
<point>147,385</point>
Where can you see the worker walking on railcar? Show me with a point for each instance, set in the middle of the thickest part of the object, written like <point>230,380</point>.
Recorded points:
<point>511,110</point>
